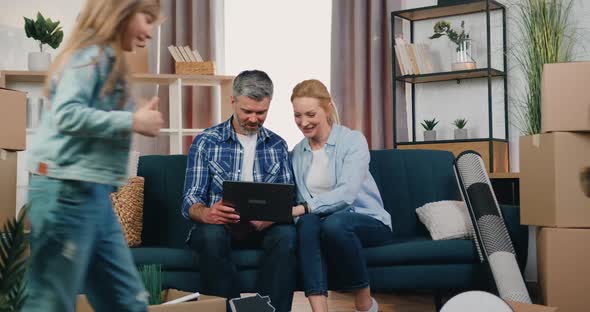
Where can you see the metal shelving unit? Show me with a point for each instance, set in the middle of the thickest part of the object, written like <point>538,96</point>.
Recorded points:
<point>497,148</point>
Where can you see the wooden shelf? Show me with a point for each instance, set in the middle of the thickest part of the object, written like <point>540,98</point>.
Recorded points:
<point>436,11</point>
<point>504,175</point>
<point>161,79</point>
<point>187,80</point>
<point>452,141</point>
<point>22,76</point>
<point>481,146</point>
<point>449,76</point>
<point>172,82</point>
<point>184,131</point>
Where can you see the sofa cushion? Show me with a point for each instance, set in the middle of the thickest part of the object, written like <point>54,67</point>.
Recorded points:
<point>446,219</point>
<point>422,250</point>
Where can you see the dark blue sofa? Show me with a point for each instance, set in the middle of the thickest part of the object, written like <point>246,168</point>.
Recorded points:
<point>407,179</point>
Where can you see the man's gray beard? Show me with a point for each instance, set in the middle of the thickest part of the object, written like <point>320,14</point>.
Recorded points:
<point>248,132</point>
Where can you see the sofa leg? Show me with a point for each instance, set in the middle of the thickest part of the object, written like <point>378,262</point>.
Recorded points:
<point>438,298</point>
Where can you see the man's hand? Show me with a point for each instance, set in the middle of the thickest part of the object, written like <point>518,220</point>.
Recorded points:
<point>219,214</point>
<point>261,225</point>
<point>298,210</point>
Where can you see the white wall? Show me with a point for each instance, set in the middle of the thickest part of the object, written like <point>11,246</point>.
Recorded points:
<point>15,45</point>
<point>290,40</point>
<point>445,100</point>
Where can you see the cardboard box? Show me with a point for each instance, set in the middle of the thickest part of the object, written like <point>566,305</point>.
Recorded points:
<point>565,100</point>
<point>13,123</point>
<point>526,307</point>
<point>7,185</point>
<point>204,304</point>
<point>138,61</point>
<point>550,191</point>
<point>563,268</point>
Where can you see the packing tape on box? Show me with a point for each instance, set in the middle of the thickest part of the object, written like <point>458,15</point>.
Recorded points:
<point>536,140</point>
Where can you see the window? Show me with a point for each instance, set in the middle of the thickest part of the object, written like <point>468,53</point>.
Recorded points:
<point>289,40</point>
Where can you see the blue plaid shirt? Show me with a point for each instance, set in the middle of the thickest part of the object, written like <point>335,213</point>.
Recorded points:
<point>216,155</point>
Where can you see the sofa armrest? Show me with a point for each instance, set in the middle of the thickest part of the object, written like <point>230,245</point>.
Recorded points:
<point>519,234</point>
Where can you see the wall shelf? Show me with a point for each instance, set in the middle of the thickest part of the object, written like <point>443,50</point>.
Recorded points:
<point>449,76</point>
<point>430,12</point>
<point>175,132</point>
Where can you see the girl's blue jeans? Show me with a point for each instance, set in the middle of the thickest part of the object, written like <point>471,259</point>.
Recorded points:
<point>77,246</point>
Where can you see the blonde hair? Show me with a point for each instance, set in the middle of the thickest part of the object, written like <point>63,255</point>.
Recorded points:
<point>314,88</point>
<point>103,23</point>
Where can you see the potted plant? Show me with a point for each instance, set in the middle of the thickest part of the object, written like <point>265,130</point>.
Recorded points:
<point>44,31</point>
<point>460,131</point>
<point>429,132</point>
<point>463,57</point>
<point>548,36</point>
<point>151,276</point>
<point>13,247</point>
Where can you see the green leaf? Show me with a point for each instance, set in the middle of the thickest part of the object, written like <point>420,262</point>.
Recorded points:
<point>57,39</point>
<point>435,36</point>
<point>13,246</point>
<point>548,36</point>
<point>151,276</point>
<point>29,27</point>
<point>46,31</point>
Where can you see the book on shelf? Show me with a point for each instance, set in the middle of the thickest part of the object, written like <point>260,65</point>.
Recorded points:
<point>412,58</point>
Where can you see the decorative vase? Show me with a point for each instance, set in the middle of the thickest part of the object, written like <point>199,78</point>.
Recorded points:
<point>463,56</point>
<point>430,135</point>
<point>39,61</point>
<point>461,134</point>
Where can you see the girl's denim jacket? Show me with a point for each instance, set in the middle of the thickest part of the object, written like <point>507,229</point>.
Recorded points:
<point>84,135</point>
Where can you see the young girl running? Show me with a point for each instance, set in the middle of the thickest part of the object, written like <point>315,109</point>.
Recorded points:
<point>79,155</point>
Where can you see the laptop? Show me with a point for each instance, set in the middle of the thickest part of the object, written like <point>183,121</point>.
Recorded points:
<point>260,201</point>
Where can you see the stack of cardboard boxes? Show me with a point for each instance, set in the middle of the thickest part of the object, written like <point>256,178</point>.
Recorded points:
<point>551,195</point>
<point>12,139</point>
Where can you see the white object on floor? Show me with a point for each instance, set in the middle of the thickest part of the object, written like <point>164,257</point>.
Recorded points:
<point>480,301</point>
<point>184,299</point>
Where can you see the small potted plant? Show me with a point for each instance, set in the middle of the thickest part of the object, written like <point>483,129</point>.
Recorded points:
<point>463,57</point>
<point>44,31</point>
<point>460,131</point>
<point>429,132</point>
<point>151,276</point>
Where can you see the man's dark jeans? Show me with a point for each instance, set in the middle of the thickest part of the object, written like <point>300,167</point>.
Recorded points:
<point>219,274</point>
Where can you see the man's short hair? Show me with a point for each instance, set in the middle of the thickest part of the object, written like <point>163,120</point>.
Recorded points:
<point>254,84</point>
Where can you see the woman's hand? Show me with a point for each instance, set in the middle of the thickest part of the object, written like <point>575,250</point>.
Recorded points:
<point>298,210</point>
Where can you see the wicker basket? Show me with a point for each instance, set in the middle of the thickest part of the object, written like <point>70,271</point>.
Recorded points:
<point>128,205</point>
<point>195,68</point>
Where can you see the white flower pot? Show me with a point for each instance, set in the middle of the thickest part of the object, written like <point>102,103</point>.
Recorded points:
<point>430,135</point>
<point>461,134</point>
<point>39,61</point>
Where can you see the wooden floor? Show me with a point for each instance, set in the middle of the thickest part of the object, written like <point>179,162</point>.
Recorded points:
<point>341,302</point>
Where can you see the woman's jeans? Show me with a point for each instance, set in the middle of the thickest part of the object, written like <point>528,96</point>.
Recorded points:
<point>77,245</point>
<point>335,243</point>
